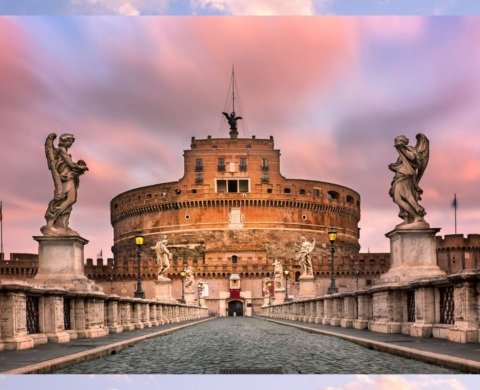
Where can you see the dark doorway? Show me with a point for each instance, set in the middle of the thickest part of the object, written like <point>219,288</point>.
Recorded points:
<point>235,308</point>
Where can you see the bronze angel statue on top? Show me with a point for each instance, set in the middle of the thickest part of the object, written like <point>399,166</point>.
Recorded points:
<point>65,173</point>
<point>232,120</point>
<point>405,190</point>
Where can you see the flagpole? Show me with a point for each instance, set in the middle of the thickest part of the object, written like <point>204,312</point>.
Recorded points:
<point>1,231</point>
<point>455,206</point>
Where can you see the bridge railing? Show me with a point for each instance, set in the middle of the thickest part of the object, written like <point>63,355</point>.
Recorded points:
<point>442,307</point>
<point>32,315</point>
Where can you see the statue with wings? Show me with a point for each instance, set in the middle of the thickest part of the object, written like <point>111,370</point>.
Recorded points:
<point>65,174</point>
<point>305,255</point>
<point>409,168</point>
<point>232,120</point>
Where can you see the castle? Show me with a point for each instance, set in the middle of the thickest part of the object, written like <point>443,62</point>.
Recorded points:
<point>232,214</point>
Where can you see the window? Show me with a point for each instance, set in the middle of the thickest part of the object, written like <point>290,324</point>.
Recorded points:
<point>243,164</point>
<point>199,178</point>
<point>317,192</point>
<point>264,165</point>
<point>234,259</point>
<point>297,276</point>
<point>286,190</point>
<point>194,191</point>
<point>243,185</point>
<point>198,165</point>
<point>333,195</point>
<point>178,191</point>
<point>349,199</point>
<point>269,190</point>
<point>265,177</point>
<point>232,185</point>
<point>302,191</point>
<point>221,165</point>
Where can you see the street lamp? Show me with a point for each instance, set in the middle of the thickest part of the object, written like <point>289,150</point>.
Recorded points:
<point>286,272</point>
<point>356,271</point>
<point>199,290</point>
<point>269,285</point>
<point>139,241</point>
<point>183,274</point>
<point>332,236</point>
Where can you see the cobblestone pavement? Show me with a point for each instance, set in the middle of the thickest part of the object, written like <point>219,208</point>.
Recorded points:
<point>240,343</point>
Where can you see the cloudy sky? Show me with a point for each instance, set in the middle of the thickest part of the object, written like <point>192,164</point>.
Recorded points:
<point>201,382</point>
<point>333,91</point>
<point>240,7</point>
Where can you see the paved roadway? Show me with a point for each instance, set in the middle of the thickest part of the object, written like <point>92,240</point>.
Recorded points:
<point>241,345</point>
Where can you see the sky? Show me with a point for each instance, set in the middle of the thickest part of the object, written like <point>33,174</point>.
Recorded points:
<point>240,7</point>
<point>213,382</point>
<point>333,91</point>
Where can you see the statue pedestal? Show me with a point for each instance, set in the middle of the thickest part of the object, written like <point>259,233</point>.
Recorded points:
<point>202,302</point>
<point>190,297</point>
<point>60,263</point>
<point>163,289</point>
<point>266,300</point>
<point>279,296</point>
<point>413,255</point>
<point>307,286</point>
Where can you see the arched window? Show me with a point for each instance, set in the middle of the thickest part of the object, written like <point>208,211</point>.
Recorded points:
<point>333,195</point>
<point>297,276</point>
<point>349,199</point>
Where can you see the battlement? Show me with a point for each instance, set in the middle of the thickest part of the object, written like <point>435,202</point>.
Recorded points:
<point>458,241</point>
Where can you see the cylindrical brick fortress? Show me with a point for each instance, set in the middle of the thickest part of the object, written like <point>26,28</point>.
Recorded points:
<point>233,201</point>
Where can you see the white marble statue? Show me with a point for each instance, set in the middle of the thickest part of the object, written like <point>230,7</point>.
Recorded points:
<point>265,287</point>
<point>66,178</point>
<point>405,190</point>
<point>189,277</point>
<point>304,255</point>
<point>163,256</point>
<point>278,275</point>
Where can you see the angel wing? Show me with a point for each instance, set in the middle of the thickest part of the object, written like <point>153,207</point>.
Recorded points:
<point>50,154</point>
<point>226,115</point>
<point>422,149</point>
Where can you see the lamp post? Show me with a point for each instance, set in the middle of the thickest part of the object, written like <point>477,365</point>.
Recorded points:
<point>199,290</point>
<point>332,236</point>
<point>183,274</point>
<point>139,241</point>
<point>356,272</point>
<point>269,285</point>
<point>286,272</point>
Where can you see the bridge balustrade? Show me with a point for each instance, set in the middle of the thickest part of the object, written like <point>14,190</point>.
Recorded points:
<point>33,315</point>
<point>442,307</point>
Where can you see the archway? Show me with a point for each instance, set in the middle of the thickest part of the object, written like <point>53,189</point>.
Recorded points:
<point>235,308</point>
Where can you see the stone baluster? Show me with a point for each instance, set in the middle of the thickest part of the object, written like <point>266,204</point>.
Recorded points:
<point>13,323</point>
<point>319,311</point>
<point>349,311</point>
<point>364,311</point>
<point>327,311</point>
<point>465,329</point>
<point>113,316</point>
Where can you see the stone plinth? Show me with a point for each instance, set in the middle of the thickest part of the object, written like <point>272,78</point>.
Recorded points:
<point>307,286</point>
<point>413,255</point>
<point>60,263</point>
<point>189,297</point>
<point>279,296</point>
<point>163,289</point>
<point>266,300</point>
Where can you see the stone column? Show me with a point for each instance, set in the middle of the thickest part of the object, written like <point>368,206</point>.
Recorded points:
<point>327,311</point>
<point>126,315</point>
<point>337,311</point>
<point>313,307</point>
<point>94,318</point>
<point>113,316</point>
<point>160,314</point>
<point>145,307</point>
<point>79,317</point>
<point>349,312</point>
<point>387,311</point>
<point>53,320</point>
<point>137,315</point>
<point>424,312</point>
<point>319,311</point>
<point>153,314</point>
<point>364,311</point>
<point>305,311</point>
<point>14,321</point>
<point>465,329</point>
